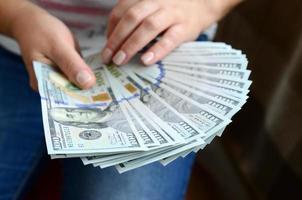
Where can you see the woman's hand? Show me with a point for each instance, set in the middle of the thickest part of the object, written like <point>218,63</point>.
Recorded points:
<point>44,38</point>
<point>134,23</point>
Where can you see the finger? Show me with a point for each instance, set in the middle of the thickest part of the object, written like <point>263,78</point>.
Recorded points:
<point>171,39</point>
<point>73,66</point>
<point>32,78</point>
<point>150,28</point>
<point>128,23</point>
<point>116,14</point>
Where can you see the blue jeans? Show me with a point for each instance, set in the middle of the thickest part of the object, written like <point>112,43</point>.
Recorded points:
<point>22,146</point>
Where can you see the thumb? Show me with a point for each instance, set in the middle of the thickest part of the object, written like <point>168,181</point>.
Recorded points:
<point>73,66</point>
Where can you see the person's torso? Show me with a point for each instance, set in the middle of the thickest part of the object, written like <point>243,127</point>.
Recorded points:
<point>87,19</point>
<point>84,17</point>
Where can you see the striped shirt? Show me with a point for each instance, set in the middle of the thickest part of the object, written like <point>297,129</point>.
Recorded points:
<point>80,15</point>
<point>87,19</point>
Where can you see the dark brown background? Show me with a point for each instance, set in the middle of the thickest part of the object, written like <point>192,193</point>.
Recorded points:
<point>260,154</point>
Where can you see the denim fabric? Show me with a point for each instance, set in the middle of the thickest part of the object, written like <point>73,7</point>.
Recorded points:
<point>151,182</point>
<point>22,146</point>
<point>21,133</point>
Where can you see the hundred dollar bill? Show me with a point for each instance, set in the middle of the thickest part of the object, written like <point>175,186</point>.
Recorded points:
<point>236,98</point>
<point>205,53</point>
<point>193,46</point>
<point>159,71</point>
<point>168,160</point>
<point>115,159</point>
<point>61,91</point>
<point>131,156</point>
<point>230,63</point>
<point>203,118</point>
<point>227,89</point>
<point>150,127</point>
<point>163,117</point>
<point>184,127</point>
<point>233,83</point>
<point>209,91</point>
<point>216,105</point>
<point>102,158</point>
<point>75,130</point>
<point>234,87</point>
<point>135,163</point>
<point>198,59</point>
<point>229,73</point>
<point>126,80</point>
<point>150,136</point>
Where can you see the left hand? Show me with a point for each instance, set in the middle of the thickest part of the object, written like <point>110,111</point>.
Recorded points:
<point>134,23</point>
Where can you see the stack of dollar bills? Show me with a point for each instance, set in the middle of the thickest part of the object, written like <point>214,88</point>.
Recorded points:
<point>136,115</point>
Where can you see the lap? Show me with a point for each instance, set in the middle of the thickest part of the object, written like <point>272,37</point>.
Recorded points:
<point>21,129</point>
<point>151,182</point>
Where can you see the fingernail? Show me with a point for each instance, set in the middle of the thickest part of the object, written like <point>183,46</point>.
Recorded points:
<point>106,55</point>
<point>119,58</point>
<point>83,78</point>
<point>147,58</point>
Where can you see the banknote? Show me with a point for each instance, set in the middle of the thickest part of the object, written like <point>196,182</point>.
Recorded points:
<point>136,115</point>
<point>135,163</point>
<point>200,116</point>
<point>218,71</point>
<point>74,130</point>
<point>217,62</point>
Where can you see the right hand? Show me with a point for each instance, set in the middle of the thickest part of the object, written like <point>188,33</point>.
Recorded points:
<point>44,38</point>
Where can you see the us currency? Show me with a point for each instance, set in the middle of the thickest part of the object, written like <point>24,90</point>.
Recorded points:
<point>214,104</point>
<point>218,62</point>
<point>130,92</point>
<point>236,88</point>
<point>199,115</point>
<point>147,139</point>
<point>170,159</point>
<point>61,91</point>
<point>205,53</point>
<point>125,158</point>
<point>135,163</point>
<point>150,109</point>
<point>209,91</point>
<point>233,109</point>
<point>234,83</point>
<point>227,89</point>
<point>163,140</point>
<point>193,46</point>
<point>208,140</point>
<point>200,59</point>
<point>221,103</point>
<point>230,73</point>
<point>82,130</point>
<point>137,115</point>
<point>150,137</point>
<point>158,73</point>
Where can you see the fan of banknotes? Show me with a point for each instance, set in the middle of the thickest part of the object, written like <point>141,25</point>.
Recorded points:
<point>136,115</point>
